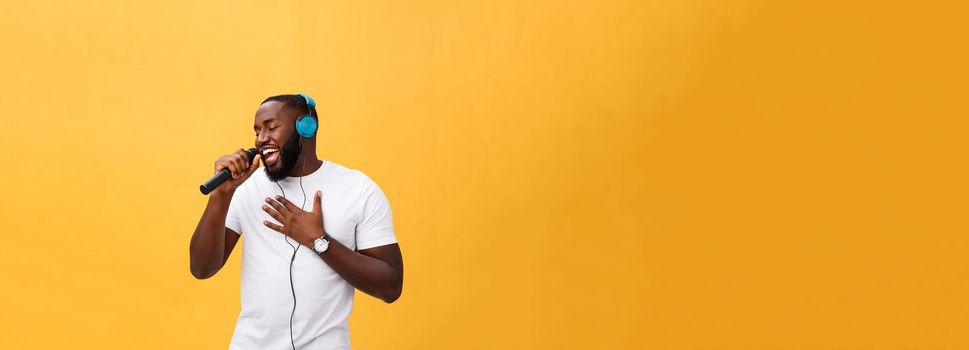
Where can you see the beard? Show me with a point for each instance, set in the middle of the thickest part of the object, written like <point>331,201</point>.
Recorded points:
<point>288,155</point>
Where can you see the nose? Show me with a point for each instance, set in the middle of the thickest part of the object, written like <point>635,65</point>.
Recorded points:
<point>261,137</point>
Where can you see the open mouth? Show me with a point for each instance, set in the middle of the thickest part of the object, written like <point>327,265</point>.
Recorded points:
<point>270,156</point>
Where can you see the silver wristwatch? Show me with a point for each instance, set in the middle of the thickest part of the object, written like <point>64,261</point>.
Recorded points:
<point>320,244</point>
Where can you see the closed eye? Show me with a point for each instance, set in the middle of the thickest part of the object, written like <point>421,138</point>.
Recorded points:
<point>270,129</point>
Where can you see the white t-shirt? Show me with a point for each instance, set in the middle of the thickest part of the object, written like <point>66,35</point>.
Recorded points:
<point>355,213</point>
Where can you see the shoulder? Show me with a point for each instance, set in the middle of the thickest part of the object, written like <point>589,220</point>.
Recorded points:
<point>350,176</point>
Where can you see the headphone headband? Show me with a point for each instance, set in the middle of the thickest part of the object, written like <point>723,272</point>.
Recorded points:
<point>309,100</point>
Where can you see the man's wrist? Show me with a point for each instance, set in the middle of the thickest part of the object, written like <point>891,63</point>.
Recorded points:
<point>312,239</point>
<point>324,243</point>
<point>221,196</point>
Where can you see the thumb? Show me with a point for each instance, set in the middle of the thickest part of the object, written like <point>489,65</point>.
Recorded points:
<point>254,164</point>
<point>317,203</point>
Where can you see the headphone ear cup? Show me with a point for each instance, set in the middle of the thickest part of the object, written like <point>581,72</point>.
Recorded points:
<point>306,126</point>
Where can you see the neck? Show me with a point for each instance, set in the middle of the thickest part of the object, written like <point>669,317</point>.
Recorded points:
<point>307,163</point>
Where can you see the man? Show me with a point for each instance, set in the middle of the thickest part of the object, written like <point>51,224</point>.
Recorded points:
<point>299,271</point>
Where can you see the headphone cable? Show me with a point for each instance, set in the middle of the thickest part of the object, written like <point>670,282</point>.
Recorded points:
<point>292,340</point>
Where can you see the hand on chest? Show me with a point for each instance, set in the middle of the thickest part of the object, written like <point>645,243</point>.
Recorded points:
<point>339,209</point>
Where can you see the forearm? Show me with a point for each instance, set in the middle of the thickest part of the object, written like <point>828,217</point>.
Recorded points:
<point>207,248</point>
<point>376,271</point>
<point>368,274</point>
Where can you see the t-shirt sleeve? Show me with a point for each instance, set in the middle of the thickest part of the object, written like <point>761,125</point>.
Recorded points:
<point>376,227</point>
<point>233,218</point>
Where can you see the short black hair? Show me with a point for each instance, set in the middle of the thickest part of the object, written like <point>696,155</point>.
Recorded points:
<point>296,102</point>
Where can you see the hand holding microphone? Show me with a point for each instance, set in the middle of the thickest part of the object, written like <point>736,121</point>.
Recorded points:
<point>232,169</point>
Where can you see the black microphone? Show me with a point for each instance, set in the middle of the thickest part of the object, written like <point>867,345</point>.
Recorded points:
<point>224,175</point>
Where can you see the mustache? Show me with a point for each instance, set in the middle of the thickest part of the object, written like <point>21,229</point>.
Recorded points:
<point>288,156</point>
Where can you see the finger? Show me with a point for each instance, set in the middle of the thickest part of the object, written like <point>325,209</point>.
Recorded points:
<point>232,168</point>
<point>289,205</point>
<point>272,212</point>
<point>219,166</point>
<point>254,165</point>
<point>278,206</point>
<point>273,226</point>
<point>232,163</point>
<point>241,164</point>
<point>317,202</point>
<point>244,156</point>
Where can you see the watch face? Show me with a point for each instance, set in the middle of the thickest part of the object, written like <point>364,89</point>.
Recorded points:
<point>320,245</point>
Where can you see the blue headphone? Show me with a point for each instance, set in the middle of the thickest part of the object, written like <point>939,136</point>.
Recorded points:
<point>306,125</point>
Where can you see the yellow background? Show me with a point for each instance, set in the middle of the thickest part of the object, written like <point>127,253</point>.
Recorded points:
<point>564,174</point>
